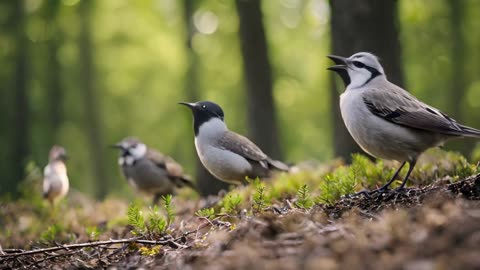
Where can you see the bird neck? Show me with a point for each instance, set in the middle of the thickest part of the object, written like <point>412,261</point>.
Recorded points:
<point>139,151</point>
<point>211,129</point>
<point>365,81</point>
<point>58,166</point>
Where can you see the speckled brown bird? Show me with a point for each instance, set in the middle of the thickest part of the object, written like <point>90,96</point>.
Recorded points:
<point>149,171</point>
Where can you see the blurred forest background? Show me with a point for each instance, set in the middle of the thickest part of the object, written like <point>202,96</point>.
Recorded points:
<point>84,74</point>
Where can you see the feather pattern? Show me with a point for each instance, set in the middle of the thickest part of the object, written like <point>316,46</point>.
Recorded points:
<point>242,146</point>
<point>396,105</point>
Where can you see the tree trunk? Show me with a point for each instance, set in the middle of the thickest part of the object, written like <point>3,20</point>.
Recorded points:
<point>21,119</point>
<point>5,107</point>
<point>258,74</point>
<point>363,25</point>
<point>54,88</point>
<point>207,184</point>
<point>458,58</point>
<point>458,88</point>
<point>90,99</point>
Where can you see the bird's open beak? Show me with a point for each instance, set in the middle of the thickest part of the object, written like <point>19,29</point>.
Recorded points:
<point>188,104</point>
<point>341,62</point>
<point>117,145</point>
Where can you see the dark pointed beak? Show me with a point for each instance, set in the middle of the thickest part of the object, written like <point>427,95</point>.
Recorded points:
<point>117,145</point>
<point>341,62</point>
<point>63,156</point>
<point>188,104</point>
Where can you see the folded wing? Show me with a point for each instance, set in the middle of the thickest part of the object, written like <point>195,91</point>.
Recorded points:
<point>400,107</point>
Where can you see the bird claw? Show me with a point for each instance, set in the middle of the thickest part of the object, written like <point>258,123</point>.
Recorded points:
<point>368,193</point>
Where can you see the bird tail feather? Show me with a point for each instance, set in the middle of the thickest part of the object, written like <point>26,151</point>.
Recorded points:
<point>185,180</point>
<point>470,132</point>
<point>279,165</point>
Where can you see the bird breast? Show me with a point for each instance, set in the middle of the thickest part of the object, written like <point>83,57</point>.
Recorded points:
<point>222,163</point>
<point>55,182</point>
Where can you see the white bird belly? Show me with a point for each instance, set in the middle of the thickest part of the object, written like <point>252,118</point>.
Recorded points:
<point>223,164</point>
<point>55,182</point>
<point>378,137</point>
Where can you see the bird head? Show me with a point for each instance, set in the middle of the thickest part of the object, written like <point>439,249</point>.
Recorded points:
<point>131,147</point>
<point>206,112</point>
<point>58,153</point>
<point>357,70</point>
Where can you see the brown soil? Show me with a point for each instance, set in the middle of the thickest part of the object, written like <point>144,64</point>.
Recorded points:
<point>435,227</point>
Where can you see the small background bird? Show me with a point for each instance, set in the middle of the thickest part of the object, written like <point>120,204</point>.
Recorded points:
<point>149,171</point>
<point>387,121</point>
<point>55,179</point>
<point>228,156</point>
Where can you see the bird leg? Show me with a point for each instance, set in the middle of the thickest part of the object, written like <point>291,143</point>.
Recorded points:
<point>384,188</point>
<point>410,169</point>
<point>156,198</point>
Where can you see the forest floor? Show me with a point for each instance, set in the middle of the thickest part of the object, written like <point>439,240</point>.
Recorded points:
<point>433,227</point>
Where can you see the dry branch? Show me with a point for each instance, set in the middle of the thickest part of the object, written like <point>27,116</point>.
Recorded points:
<point>89,244</point>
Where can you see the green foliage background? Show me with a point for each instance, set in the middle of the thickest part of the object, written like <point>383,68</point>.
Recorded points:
<point>141,61</point>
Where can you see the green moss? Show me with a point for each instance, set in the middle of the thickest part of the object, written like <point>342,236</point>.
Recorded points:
<point>231,203</point>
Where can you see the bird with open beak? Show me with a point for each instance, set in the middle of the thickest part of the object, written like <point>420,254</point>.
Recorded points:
<point>387,121</point>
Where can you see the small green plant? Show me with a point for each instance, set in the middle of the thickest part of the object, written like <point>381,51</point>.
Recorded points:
<point>463,168</point>
<point>157,224</point>
<point>135,218</point>
<point>342,181</point>
<point>231,203</point>
<point>328,191</point>
<point>259,198</point>
<point>93,233</point>
<point>369,173</point>
<point>205,213</point>
<point>169,209</point>
<point>52,232</point>
<point>304,199</point>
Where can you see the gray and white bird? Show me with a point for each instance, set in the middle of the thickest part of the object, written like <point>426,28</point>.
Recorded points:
<point>387,121</point>
<point>150,171</point>
<point>228,156</point>
<point>55,179</point>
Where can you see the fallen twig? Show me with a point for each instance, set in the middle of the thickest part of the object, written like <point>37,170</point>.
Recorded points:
<point>88,244</point>
<point>37,263</point>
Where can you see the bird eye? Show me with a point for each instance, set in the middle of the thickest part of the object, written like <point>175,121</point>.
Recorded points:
<point>204,106</point>
<point>358,64</point>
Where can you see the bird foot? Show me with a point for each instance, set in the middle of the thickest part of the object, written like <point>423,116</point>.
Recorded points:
<point>369,193</point>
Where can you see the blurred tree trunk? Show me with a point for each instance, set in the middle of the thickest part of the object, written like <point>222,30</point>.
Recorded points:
<point>5,104</point>
<point>54,87</point>
<point>258,74</point>
<point>457,91</point>
<point>207,184</point>
<point>21,119</point>
<point>362,25</point>
<point>92,109</point>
